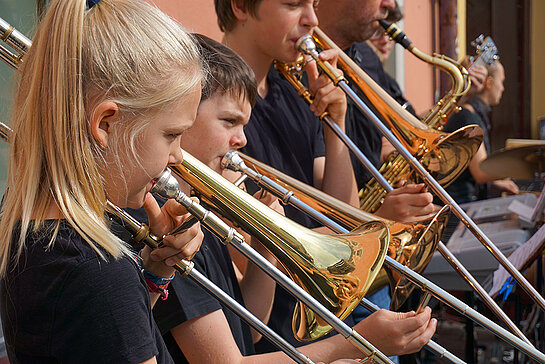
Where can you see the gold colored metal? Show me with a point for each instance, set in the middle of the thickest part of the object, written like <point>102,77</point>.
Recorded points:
<point>437,116</point>
<point>16,40</point>
<point>444,155</point>
<point>337,270</point>
<point>411,244</point>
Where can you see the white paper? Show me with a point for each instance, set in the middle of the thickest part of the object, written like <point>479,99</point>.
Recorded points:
<point>521,209</point>
<point>519,258</point>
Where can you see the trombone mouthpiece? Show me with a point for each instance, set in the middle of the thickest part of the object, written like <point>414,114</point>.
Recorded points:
<point>232,161</point>
<point>306,45</point>
<point>166,186</point>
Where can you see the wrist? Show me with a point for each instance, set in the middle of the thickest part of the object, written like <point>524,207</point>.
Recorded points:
<point>154,283</point>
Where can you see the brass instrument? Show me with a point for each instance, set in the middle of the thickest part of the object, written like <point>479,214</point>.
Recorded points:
<point>307,46</point>
<point>142,234</point>
<point>258,221</point>
<point>444,155</point>
<point>343,274</point>
<point>411,244</point>
<point>336,270</point>
<point>437,116</point>
<point>15,39</point>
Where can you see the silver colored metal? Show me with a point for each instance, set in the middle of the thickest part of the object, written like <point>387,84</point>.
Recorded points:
<point>430,181</point>
<point>16,40</point>
<point>142,234</point>
<point>167,187</point>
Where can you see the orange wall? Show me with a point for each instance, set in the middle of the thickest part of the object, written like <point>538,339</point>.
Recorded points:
<point>418,75</point>
<point>199,16</point>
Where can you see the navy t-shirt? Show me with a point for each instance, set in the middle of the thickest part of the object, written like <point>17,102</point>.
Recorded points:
<point>286,135</point>
<point>188,300</point>
<point>65,304</point>
<point>358,127</point>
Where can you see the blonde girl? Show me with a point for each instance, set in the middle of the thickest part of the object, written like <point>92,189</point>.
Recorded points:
<point>103,97</point>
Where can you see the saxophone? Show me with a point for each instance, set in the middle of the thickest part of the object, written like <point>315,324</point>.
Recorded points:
<point>396,168</point>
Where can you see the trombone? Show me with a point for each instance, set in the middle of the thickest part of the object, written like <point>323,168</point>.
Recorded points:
<point>230,200</point>
<point>374,92</point>
<point>330,208</point>
<point>142,234</point>
<point>15,39</point>
<point>318,203</point>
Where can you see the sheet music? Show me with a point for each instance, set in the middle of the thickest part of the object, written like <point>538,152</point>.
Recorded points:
<point>540,204</point>
<point>521,209</point>
<point>523,255</point>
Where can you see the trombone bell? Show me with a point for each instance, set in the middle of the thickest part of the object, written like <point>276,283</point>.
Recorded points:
<point>337,270</point>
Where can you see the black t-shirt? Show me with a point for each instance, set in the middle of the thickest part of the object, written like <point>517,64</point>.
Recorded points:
<point>188,300</point>
<point>65,304</point>
<point>464,188</point>
<point>358,127</point>
<point>285,134</point>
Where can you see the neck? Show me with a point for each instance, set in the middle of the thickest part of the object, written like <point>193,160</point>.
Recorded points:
<point>484,99</point>
<point>336,35</point>
<point>254,57</point>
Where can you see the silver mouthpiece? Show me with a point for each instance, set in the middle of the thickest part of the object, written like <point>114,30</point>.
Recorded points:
<point>306,45</point>
<point>166,186</point>
<point>232,161</point>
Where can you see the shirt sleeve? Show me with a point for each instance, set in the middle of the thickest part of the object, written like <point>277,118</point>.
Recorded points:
<point>460,119</point>
<point>104,315</point>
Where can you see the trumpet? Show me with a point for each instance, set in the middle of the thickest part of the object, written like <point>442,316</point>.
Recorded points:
<point>306,45</point>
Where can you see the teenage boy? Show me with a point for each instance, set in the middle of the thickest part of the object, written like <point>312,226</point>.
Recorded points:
<point>197,328</point>
<point>282,131</point>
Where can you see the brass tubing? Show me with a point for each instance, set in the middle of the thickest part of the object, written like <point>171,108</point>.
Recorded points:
<point>185,267</point>
<point>441,193</point>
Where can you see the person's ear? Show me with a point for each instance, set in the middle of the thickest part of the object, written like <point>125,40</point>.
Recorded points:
<point>488,83</point>
<point>104,115</point>
<point>240,13</point>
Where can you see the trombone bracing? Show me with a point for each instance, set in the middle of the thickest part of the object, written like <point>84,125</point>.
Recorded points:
<point>429,287</point>
<point>16,40</point>
<point>307,46</point>
<point>416,253</point>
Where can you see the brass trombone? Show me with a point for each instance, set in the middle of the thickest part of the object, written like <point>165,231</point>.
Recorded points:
<point>346,271</point>
<point>416,253</point>
<point>411,244</point>
<point>15,39</point>
<point>142,234</point>
<point>374,92</point>
<point>230,200</point>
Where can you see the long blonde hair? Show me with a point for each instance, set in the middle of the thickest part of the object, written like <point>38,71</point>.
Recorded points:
<point>126,51</point>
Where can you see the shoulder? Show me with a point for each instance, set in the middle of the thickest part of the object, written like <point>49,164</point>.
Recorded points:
<point>461,118</point>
